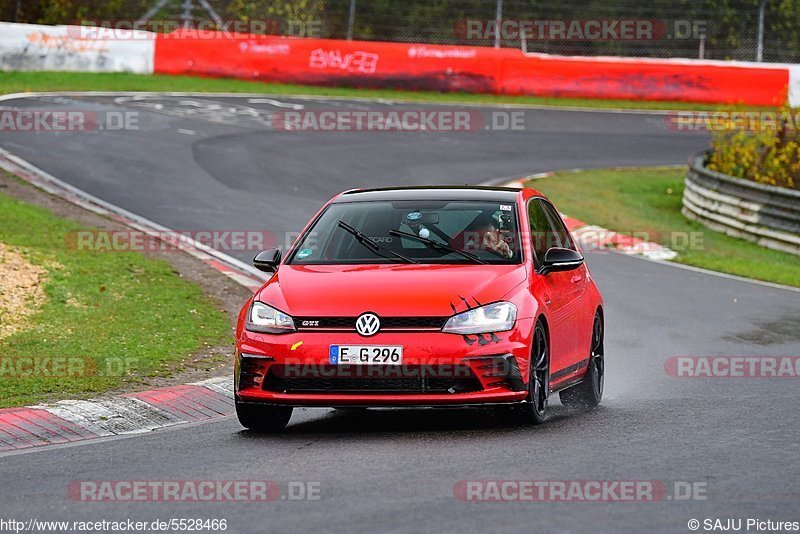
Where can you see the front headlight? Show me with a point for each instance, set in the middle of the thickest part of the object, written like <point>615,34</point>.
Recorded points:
<point>497,317</point>
<point>266,319</point>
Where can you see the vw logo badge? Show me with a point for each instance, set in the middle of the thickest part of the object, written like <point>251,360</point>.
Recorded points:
<point>368,324</point>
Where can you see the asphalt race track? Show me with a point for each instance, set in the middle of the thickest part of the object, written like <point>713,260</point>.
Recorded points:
<point>212,163</point>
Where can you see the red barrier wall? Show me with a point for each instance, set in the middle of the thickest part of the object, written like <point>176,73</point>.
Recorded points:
<point>646,80</point>
<point>469,69</point>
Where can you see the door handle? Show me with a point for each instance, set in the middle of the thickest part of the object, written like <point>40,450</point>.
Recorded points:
<point>575,279</point>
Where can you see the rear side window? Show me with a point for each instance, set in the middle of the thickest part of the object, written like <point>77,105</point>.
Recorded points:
<point>562,236</point>
<point>541,230</point>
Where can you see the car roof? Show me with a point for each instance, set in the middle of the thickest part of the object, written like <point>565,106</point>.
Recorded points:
<point>432,192</point>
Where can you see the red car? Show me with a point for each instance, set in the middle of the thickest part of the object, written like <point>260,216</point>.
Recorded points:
<point>423,297</point>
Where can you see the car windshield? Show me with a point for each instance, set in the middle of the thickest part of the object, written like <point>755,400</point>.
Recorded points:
<point>412,232</point>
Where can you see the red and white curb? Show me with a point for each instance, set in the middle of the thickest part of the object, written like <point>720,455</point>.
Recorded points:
<point>77,420</point>
<point>596,237</point>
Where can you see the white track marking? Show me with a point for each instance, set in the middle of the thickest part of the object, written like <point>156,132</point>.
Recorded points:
<point>323,98</point>
<point>276,103</point>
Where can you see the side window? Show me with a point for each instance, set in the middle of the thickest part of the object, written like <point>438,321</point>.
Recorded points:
<point>562,235</point>
<point>541,230</point>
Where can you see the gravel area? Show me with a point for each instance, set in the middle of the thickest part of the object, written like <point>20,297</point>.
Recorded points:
<point>20,287</point>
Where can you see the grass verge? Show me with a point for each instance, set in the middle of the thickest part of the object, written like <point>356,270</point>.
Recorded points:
<point>109,319</point>
<point>649,200</point>
<point>20,82</point>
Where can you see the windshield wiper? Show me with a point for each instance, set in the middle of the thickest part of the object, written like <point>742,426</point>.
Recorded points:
<point>370,244</point>
<point>435,245</point>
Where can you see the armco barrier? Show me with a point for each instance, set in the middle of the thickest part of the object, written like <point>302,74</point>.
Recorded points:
<point>767,215</point>
<point>74,48</point>
<point>473,69</point>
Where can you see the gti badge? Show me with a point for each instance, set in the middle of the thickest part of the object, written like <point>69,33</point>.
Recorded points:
<point>368,324</point>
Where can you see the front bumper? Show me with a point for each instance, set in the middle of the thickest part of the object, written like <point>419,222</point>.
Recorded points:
<point>438,369</point>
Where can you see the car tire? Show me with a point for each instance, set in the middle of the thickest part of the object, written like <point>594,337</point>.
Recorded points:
<point>589,392</point>
<point>263,419</point>
<point>534,410</point>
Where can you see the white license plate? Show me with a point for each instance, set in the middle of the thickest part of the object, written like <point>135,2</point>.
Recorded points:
<point>366,354</point>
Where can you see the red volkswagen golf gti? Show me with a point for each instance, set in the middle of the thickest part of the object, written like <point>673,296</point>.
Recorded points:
<point>423,297</point>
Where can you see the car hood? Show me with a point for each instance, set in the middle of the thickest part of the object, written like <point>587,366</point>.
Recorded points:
<point>388,290</point>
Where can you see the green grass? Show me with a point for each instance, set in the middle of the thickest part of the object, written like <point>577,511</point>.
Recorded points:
<point>18,82</point>
<point>649,200</point>
<point>119,310</point>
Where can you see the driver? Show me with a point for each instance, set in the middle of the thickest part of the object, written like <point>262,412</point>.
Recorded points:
<point>483,233</point>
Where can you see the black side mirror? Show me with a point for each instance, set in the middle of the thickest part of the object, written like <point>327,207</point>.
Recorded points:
<point>560,259</point>
<point>268,260</point>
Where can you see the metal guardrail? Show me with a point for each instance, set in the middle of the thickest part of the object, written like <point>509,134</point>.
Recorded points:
<point>764,214</point>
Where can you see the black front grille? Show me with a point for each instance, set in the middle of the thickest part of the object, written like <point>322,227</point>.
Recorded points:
<point>369,379</point>
<point>370,385</point>
<point>413,322</point>
<point>387,323</point>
